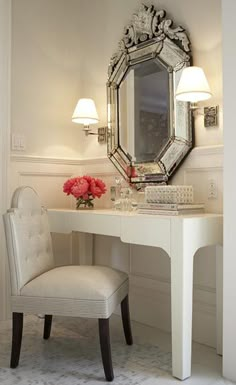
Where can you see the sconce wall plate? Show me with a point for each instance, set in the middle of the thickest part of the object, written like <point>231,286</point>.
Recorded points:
<point>102,135</point>
<point>211,116</point>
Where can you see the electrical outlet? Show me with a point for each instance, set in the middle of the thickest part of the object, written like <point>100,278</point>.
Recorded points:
<point>212,189</point>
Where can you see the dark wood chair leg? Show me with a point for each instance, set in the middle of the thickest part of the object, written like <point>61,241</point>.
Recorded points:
<point>17,329</point>
<point>126,320</point>
<point>105,345</point>
<point>47,326</point>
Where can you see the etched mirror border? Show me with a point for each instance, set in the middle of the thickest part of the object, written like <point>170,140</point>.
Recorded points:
<point>149,36</point>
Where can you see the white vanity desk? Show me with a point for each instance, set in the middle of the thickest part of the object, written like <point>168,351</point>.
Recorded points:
<point>180,236</point>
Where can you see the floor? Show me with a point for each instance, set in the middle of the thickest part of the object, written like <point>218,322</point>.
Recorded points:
<point>72,357</point>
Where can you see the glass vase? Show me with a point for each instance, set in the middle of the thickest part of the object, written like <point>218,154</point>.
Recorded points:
<point>84,203</point>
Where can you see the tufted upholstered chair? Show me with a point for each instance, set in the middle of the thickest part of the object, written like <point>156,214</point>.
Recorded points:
<point>38,287</point>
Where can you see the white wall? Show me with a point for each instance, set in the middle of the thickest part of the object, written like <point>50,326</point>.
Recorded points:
<point>61,53</point>
<point>46,75</point>
<point>229,297</point>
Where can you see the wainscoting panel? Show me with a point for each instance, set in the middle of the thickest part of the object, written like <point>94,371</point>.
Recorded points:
<point>201,190</point>
<point>47,177</point>
<point>115,253</point>
<point>149,268</point>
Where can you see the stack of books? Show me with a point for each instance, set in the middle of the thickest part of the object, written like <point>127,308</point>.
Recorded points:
<point>170,208</point>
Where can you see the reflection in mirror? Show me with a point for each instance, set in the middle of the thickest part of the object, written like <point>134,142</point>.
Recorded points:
<point>144,111</point>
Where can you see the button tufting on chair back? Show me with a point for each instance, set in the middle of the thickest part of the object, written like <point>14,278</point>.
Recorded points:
<point>28,238</point>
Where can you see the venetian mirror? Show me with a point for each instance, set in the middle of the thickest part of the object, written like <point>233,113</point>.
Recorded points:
<point>149,131</point>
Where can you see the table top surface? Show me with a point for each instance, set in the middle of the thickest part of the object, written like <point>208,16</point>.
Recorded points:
<point>142,229</point>
<point>132,213</point>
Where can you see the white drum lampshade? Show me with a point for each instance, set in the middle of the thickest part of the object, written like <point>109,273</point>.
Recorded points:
<point>85,112</point>
<point>193,85</point>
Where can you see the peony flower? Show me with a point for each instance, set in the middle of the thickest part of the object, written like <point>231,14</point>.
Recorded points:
<point>101,185</point>
<point>97,188</point>
<point>68,185</point>
<point>80,188</point>
<point>88,178</point>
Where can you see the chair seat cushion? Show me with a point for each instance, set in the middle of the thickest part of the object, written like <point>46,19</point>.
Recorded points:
<point>76,282</point>
<point>89,291</point>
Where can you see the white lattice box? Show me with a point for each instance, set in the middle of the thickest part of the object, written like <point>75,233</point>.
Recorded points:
<point>169,194</point>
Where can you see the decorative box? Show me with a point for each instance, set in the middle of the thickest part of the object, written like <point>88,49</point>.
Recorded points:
<point>169,194</point>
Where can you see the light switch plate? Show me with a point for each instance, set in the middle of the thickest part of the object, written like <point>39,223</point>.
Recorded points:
<point>18,142</point>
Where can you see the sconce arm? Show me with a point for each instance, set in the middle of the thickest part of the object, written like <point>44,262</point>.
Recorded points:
<point>101,133</point>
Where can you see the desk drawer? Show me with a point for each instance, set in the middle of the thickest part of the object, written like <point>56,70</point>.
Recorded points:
<point>95,222</point>
<point>146,230</point>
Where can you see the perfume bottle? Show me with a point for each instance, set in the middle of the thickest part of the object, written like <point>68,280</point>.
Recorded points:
<point>115,194</point>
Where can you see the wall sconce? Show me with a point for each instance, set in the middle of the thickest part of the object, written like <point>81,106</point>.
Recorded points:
<point>86,113</point>
<point>193,87</point>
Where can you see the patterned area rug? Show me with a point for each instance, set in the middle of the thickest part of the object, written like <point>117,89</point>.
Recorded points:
<point>72,356</point>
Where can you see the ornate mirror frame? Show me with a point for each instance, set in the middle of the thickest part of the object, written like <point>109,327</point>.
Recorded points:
<point>150,35</point>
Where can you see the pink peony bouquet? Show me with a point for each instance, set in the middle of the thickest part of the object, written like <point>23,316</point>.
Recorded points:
<point>84,189</point>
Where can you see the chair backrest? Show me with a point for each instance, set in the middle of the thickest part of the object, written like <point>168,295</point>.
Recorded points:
<point>28,238</point>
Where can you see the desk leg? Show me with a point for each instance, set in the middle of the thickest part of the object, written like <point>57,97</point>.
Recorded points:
<point>181,306</point>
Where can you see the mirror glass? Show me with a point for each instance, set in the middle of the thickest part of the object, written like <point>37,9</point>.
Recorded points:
<point>144,126</point>
<point>149,132</point>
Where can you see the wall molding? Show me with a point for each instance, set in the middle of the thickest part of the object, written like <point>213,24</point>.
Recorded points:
<point>50,174</point>
<point>199,157</point>
<point>208,150</point>
<point>205,157</point>
<point>63,161</point>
